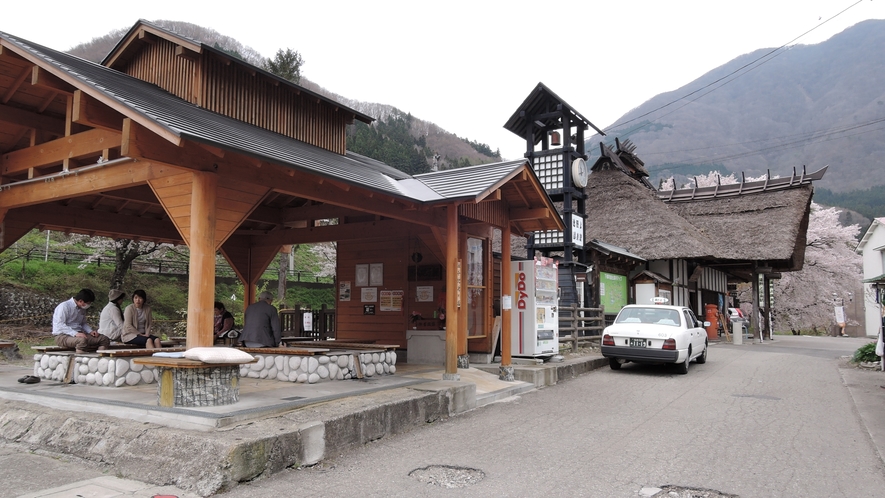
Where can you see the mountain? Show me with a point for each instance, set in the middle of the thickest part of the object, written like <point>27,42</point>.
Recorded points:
<point>812,105</point>
<point>397,138</point>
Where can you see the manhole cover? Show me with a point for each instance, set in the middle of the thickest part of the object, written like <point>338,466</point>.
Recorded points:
<point>446,476</point>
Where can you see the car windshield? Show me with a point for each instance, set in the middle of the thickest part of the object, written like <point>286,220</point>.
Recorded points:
<point>654,315</point>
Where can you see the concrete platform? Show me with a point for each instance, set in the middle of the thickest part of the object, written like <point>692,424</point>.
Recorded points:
<point>275,425</point>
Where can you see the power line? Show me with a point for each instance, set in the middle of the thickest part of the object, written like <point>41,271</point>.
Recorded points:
<point>727,75</point>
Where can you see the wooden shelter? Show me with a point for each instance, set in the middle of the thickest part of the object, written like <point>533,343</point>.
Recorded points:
<point>175,141</point>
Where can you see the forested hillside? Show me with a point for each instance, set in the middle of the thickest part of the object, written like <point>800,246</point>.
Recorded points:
<point>812,105</point>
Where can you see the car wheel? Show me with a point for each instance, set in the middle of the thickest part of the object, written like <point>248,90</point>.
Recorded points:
<point>614,363</point>
<point>682,368</point>
<point>703,357</point>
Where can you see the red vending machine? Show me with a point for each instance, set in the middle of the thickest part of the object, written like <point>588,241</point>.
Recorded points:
<point>535,323</point>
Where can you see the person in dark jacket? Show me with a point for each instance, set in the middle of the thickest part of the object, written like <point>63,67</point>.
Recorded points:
<point>261,327</point>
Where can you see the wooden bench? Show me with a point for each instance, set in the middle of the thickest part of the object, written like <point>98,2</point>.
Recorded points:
<point>178,386</point>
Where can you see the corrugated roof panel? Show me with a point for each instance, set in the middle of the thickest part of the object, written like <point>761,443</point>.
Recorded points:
<point>187,120</point>
<point>470,181</point>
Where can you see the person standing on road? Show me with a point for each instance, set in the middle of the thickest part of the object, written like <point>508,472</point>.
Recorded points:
<point>261,324</point>
<point>70,328</point>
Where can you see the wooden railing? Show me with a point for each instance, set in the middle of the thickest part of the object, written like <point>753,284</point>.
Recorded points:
<point>322,323</point>
<point>577,325</point>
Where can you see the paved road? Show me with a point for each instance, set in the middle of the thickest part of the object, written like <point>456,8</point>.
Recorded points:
<point>772,420</point>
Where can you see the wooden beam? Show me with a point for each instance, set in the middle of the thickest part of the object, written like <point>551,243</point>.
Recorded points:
<point>201,290</point>
<point>81,220</point>
<point>21,117</point>
<point>76,183</point>
<point>87,144</point>
<point>453,299</point>
<point>529,214</point>
<point>16,84</point>
<point>329,233</point>
<point>43,79</point>
<point>89,112</point>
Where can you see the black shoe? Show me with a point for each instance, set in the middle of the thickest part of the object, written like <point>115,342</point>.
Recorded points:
<point>23,379</point>
<point>30,379</point>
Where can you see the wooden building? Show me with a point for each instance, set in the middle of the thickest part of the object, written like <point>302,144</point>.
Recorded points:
<point>697,241</point>
<point>174,141</point>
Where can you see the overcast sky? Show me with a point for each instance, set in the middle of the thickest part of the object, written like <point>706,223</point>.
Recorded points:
<point>467,65</point>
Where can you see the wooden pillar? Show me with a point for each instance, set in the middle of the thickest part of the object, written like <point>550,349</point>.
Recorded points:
<point>506,286</point>
<point>766,292</point>
<point>201,278</point>
<point>453,292</point>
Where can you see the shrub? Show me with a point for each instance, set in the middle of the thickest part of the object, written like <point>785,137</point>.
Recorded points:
<point>866,354</point>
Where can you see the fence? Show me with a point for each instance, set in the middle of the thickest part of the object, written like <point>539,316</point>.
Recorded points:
<point>322,323</point>
<point>159,266</point>
<point>574,328</point>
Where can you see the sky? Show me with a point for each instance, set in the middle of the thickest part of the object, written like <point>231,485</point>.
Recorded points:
<point>468,65</point>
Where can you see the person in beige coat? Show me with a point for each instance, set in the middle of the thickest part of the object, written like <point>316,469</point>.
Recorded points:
<point>111,321</point>
<point>137,323</point>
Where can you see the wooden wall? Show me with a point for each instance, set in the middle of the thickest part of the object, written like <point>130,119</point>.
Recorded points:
<point>385,327</point>
<point>241,93</point>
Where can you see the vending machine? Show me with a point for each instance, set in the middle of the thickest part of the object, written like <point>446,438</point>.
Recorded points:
<point>535,316</point>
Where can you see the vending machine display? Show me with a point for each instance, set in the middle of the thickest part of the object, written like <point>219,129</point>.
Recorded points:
<point>535,316</point>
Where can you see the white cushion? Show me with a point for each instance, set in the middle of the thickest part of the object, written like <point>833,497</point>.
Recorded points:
<point>218,355</point>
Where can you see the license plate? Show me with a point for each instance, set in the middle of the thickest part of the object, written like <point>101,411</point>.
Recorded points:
<point>637,343</point>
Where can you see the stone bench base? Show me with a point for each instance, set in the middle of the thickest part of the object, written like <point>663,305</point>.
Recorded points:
<point>95,370</point>
<point>319,368</point>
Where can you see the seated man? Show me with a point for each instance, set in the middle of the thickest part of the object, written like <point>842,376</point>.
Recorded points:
<point>70,328</point>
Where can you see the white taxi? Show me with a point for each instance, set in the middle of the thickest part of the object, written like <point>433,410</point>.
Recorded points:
<point>655,333</point>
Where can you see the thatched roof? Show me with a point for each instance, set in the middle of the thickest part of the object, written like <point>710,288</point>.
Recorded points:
<point>623,212</point>
<point>763,227</point>
<point>766,226</point>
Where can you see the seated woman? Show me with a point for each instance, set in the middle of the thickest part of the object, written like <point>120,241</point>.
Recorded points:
<point>137,322</point>
<point>224,321</point>
<point>111,321</point>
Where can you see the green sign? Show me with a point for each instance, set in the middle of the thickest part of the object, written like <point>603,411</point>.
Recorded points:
<point>612,291</point>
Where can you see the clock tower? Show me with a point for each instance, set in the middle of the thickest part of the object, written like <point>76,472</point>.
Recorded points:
<point>554,135</point>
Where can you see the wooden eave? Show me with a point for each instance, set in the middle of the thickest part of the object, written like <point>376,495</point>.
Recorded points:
<point>141,33</point>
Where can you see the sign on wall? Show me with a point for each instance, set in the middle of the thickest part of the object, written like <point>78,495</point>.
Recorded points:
<point>612,291</point>
<point>577,230</point>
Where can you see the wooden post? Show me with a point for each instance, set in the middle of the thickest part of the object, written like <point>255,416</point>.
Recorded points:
<point>453,294</point>
<point>506,285</point>
<point>201,276</point>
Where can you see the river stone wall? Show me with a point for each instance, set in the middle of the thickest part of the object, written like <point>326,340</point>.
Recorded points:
<point>94,370</point>
<point>313,369</point>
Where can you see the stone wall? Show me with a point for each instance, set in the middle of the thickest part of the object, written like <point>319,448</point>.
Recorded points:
<point>93,370</point>
<point>313,369</point>
<point>26,307</point>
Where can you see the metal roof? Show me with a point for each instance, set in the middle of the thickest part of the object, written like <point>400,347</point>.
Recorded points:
<point>145,102</point>
<point>120,47</point>
<point>542,100</point>
<point>472,181</point>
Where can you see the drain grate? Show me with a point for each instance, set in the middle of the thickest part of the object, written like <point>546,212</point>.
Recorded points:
<point>446,476</point>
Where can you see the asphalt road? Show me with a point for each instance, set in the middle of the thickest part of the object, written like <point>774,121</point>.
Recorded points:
<point>771,420</point>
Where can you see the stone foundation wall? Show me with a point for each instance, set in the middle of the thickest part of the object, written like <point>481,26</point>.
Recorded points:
<point>93,370</point>
<point>313,369</point>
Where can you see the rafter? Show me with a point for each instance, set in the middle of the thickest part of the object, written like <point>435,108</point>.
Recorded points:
<point>88,143</point>
<point>82,220</point>
<point>30,119</point>
<point>89,112</point>
<point>88,180</point>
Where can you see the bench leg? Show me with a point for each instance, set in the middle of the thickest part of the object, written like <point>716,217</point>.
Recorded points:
<point>167,388</point>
